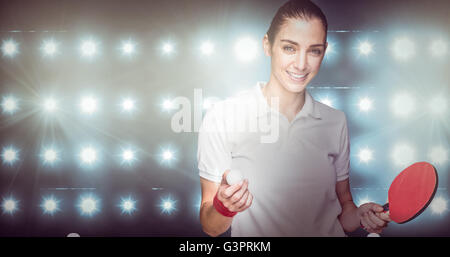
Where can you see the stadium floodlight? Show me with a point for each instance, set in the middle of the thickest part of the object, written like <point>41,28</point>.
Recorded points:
<point>365,104</point>
<point>89,48</point>
<point>88,155</point>
<point>9,104</point>
<point>128,105</point>
<point>10,155</point>
<point>403,105</point>
<point>128,156</point>
<point>50,205</point>
<point>403,49</point>
<point>167,205</point>
<point>246,49</point>
<point>88,205</point>
<point>49,48</point>
<point>49,156</point>
<point>365,155</point>
<point>9,205</point>
<point>438,205</point>
<point>167,155</point>
<point>403,154</point>
<point>365,48</point>
<point>168,48</point>
<point>439,48</point>
<point>438,155</point>
<point>10,48</point>
<point>438,105</point>
<point>128,48</point>
<point>88,105</point>
<point>207,48</point>
<point>128,205</point>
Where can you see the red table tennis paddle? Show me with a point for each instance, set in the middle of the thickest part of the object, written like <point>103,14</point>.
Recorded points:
<point>411,192</point>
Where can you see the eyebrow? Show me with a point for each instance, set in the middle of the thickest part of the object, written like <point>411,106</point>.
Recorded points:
<point>295,43</point>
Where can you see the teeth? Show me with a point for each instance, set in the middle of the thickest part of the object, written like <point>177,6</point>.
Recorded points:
<point>296,76</point>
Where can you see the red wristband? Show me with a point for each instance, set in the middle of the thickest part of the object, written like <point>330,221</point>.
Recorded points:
<point>221,208</point>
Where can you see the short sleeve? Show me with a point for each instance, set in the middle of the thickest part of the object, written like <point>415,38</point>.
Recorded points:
<point>213,153</point>
<point>342,163</point>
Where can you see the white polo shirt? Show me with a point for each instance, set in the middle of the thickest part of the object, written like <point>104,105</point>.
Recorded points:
<point>293,179</point>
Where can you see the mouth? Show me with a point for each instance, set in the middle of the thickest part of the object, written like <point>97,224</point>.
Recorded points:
<point>297,77</point>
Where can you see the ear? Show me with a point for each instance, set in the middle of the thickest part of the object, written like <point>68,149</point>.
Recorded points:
<point>267,47</point>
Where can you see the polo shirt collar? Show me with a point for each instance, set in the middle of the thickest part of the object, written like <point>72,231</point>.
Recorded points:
<point>309,108</point>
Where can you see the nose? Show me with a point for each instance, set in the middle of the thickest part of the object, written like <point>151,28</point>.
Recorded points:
<point>301,61</point>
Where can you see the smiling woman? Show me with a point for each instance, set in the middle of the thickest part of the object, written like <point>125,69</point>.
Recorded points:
<point>297,185</point>
<point>297,53</point>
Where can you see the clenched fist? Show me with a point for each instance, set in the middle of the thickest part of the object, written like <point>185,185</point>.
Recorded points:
<point>235,198</point>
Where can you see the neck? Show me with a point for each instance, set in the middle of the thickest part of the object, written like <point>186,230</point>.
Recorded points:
<point>290,103</point>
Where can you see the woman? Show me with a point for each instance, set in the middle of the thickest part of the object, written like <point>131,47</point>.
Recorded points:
<point>297,185</point>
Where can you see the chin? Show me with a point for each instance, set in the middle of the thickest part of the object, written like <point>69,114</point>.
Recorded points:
<point>295,87</point>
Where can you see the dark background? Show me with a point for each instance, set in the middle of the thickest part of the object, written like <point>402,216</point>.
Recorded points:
<point>151,77</point>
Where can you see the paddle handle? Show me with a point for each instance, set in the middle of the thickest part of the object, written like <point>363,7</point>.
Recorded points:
<point>386,207</point>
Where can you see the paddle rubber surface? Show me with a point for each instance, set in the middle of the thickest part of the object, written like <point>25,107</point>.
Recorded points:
<point>412,191</point>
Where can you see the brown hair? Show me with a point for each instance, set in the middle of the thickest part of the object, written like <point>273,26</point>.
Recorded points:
<point>301,9</point>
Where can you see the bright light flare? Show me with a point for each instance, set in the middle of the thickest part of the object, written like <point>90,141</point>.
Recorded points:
<point>49,156</point>
<point>167,105</point>
<point>331,51</point>
<point>9,105</point>
<point>403,105</point>
<point>50,105</point>
<point>88,155</point>
<point>49,48</point>
<point>10,155</point>
<point>168,48</point>
<point>403,154</point>
<point>128,205</point>
<point>403,49</point>
<point>207,48</point>
<point>89,205</point>
<point>365,48</point>
<point>439,48</point>
<point>327,101</point>
<point>89,48</point>
<point>167,205</point>
<point>10,48</point>
<point>246,49</point>
<point>50,205</point>
<point>365,155</point>
<point>128,156</point>
<point>9,205</point>
<point>128,48</point>
<point>438,155</point>
<point>167,155</point>
<point>365,104</point>
<point>88,105</point>
<point>438,105</point>
<point>438,205</point>
<point>128,105</point>
<point>330,48</point>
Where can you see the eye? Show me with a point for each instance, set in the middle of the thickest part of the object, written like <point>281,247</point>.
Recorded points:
<point>317,51</point>
<point>288,49</point>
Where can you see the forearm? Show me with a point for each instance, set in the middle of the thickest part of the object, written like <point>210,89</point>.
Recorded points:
<point>349,218</point>
<point>213,223</point>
